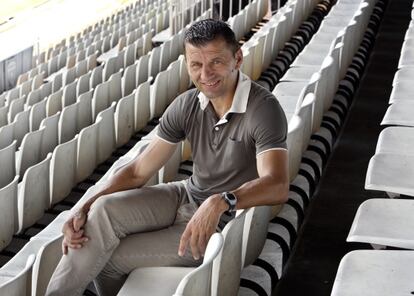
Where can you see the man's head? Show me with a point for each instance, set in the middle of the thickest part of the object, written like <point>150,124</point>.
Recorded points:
<point>213,57</point>
<point>205,31</point>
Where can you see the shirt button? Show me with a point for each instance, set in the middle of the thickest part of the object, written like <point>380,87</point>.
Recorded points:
<point>216,128</point>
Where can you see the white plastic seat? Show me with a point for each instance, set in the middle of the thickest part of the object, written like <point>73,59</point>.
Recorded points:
<point>384,222</point>
<point>17,284</point>
<point>403,74</point>
<point>47,258</point>
<point>84,110</point>
<point>63,170</point>
<point>115,87</point>
<point>396,139</point>
<point>391,172</point>
<point>16,274</point>
<point>16,107</point>
<point>50,134</point>
<point>100,100</point>
<point>111,67</point>
<point>399,113</point>
<point>37,114</point>
<point>8,166</point>
<point>225,275</point>
<point>142,112</point>
<point>69,94</point>
<point>142,74</point>
<point>401,91</point>
<point>29,151</point>
<point>124,119</point>
<point>33,97</point>
<point>96,76</point>
<point>184,280</point>
<point>54,103</point>
<point>158,94</point>
<point>154,65</point>
<point>8,213</point>
<point>20,126</point>
<point>294,144</point>
<point>106,134</point>
<point>173,88</point>
<point>33,194</point>
<point>83,84</point>
<point>369,273</point>
<point>129,80</point>
<point>87,148</point>
<point>68,123</point>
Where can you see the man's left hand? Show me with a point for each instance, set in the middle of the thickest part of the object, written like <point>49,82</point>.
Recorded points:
<point>202,225</point>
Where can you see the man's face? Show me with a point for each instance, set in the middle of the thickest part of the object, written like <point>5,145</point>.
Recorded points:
<point>213,68</point>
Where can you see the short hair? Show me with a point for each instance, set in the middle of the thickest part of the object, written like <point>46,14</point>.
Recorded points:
<point>204,31</point>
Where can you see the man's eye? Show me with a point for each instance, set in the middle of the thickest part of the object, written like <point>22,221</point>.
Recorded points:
<point>216,62</point>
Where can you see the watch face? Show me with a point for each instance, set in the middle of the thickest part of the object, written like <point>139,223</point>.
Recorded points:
<point>231,196</point>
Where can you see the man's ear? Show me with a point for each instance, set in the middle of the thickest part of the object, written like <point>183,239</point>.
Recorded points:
<point>239,58</point>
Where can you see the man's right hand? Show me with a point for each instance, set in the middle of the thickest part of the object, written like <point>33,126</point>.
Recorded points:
<point>73,232</point>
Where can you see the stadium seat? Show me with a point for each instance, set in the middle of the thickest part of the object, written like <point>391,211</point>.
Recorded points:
<point>399,113</point>
<point>63,169</point>
<point>50,134</point>
<point>33,194</point>
<point>8,213</point>
<point>29,151</point>
<point>396,139</point>
<point>369,273</point>
<point>124,119</point>
<point>384,222</point>
<point>391,172</point>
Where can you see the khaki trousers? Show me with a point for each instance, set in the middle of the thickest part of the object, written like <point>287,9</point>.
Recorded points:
<point>135,228</point>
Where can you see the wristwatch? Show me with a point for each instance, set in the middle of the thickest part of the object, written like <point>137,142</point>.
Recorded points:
<point>231,200</point>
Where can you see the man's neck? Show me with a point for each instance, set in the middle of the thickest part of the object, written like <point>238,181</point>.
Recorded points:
<point>222,105</point>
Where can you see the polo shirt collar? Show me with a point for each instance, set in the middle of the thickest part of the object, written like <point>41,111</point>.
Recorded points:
<point>241,96</point>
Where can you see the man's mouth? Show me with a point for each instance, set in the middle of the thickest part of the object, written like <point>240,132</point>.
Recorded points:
<point>211,83</point>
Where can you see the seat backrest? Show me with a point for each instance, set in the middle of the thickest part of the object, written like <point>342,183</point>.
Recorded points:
<point>115,87</point>
<point>47,258</point>
<point>255,233</point>
<point>8,213</point>
<point>100,100</point>
<point>106,134</point>
<point>54,103</point>
<point>8,164</point>
<point>18,285</point>
<point>198,281</point>
<point>29,151</point>
<point>63,170</point>
<point>124,119</point>
<point>129,80</point>
<point>34,194</point>
<point>37,114</point>
<point>83,84</point>
<point>305,113</point>
<point>85,110</point>
<point>142,105</point>
<point>50,135</point>
<point>294,144</point>
<point>158,96</point>
<point>68,123</point>
<point>87,148</point>
<point>227,266</point>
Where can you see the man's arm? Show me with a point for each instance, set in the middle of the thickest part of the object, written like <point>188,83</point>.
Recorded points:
<point>133,175</point>
<point>271,188</point>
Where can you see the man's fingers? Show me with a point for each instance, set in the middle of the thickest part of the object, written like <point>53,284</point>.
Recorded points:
<point>78,241</point>
<point>64,247</point>
<point>194,246</point>
<point>184,242</point>
<point>79,220</point>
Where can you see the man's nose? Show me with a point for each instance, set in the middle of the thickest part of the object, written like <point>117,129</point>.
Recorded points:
<point>206,72</point>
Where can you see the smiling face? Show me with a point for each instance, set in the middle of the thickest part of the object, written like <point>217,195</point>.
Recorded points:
<point>213,68</point>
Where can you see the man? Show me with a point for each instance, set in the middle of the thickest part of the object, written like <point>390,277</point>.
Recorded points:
<point>237,132</point>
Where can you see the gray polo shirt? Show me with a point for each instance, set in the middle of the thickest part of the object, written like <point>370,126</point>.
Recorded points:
<point>224,149</point>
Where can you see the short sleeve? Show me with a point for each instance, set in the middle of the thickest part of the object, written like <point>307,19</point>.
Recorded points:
<point>171,127</point>
<point>268,125</point>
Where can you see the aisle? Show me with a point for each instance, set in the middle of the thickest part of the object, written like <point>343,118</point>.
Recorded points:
<point>321,242</point>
